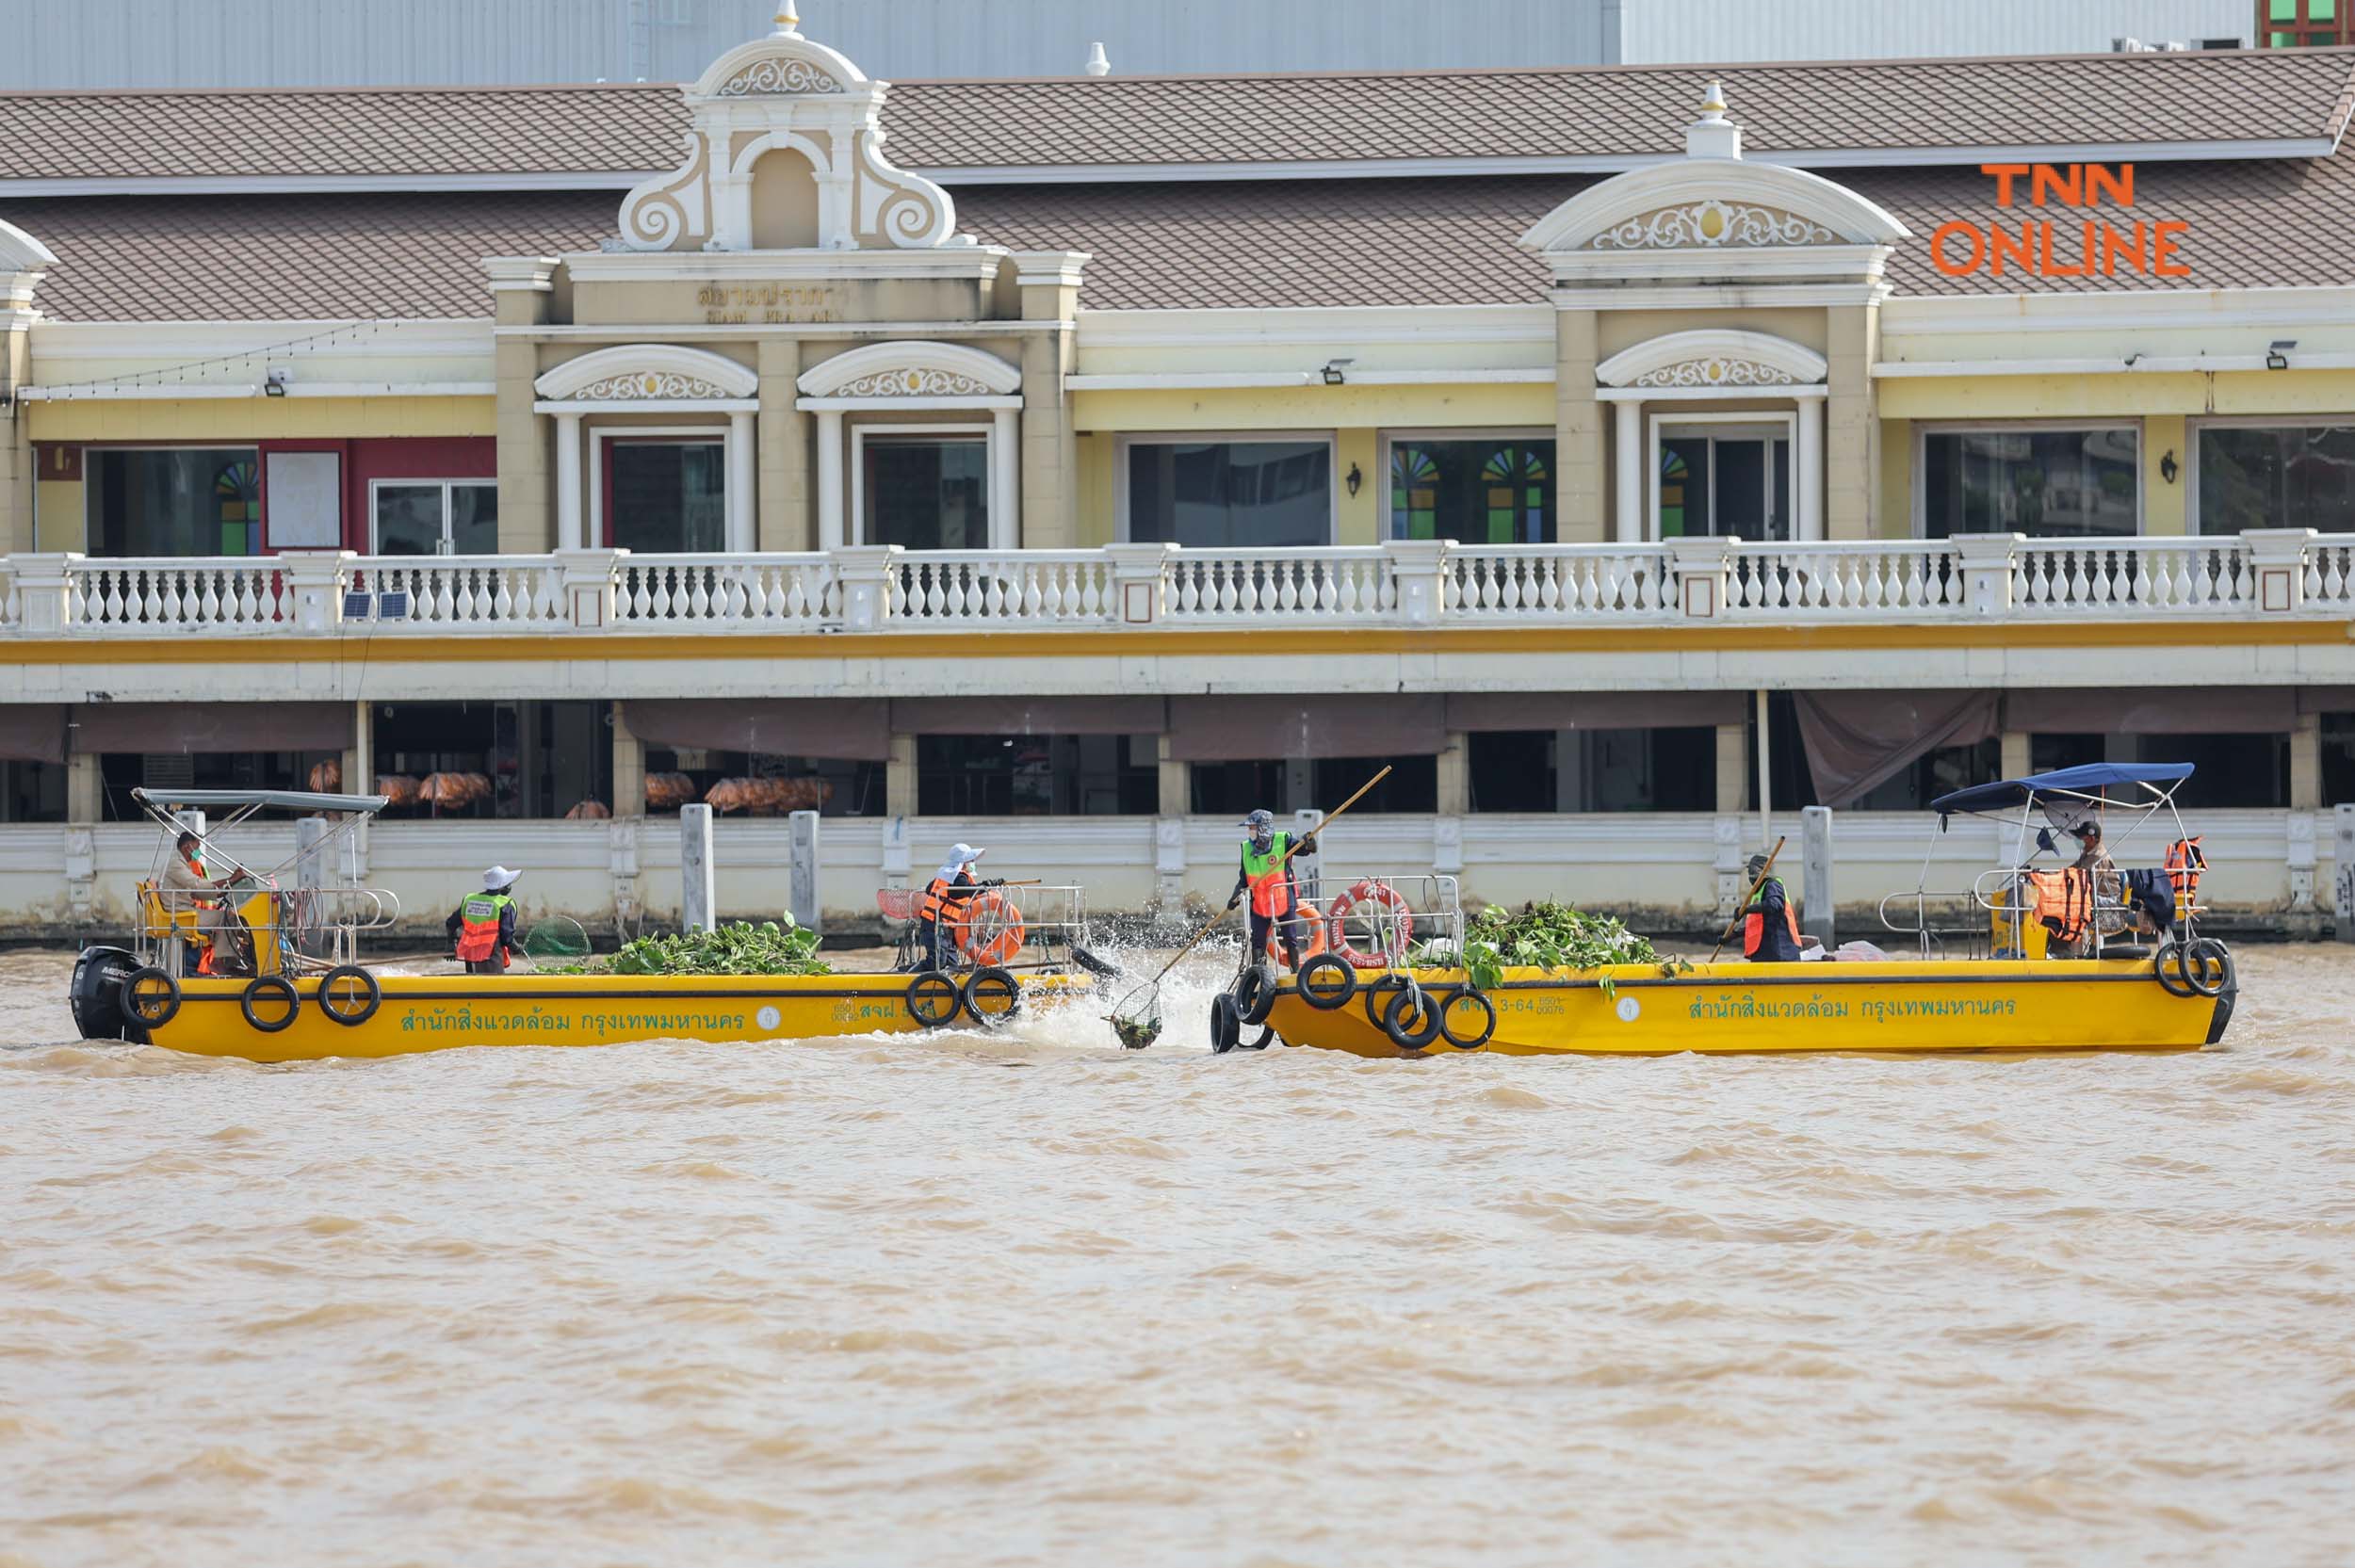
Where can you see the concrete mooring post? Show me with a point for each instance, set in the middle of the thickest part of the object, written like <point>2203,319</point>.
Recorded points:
<point>1815,903</point>
<point>699,900</point>
<point>311,872</point>
<point>802,882</point>
<point>2343,870</point>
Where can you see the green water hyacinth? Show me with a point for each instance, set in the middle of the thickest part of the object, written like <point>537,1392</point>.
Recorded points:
<point>1549,936</point>
<point>738,947</point>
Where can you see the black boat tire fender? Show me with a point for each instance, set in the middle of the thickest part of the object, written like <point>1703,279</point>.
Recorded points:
<point>1226,1024</point>
<point>150,998</point>
<point>2168,966</point>
<point>333,995</point>
<point>2206,966</point>
<point>1267,1037</point>
<point>1327,981</point>
<point>1102,968</point>
<point>992,997</point>
<point>933,999</point>
<point>1376,992</point>
<point>1486,1011</point>
<point>269,990</point>
<point>1254,993</point>
<point>1411,1018</point>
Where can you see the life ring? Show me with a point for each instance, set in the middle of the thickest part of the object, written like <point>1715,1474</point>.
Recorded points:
<point>1312,934</point>
<point>1412,1018</point>
<point>1388,925</point>
<point>990,933</point>
<point>992,997</point>
<point>348,994</point>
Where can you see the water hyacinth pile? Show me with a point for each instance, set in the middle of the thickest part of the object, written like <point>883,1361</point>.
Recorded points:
<point>1547,936</point>
<point>738,947</point>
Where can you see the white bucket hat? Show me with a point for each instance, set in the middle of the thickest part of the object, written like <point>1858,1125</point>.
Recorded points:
<point>499,878</point>
<point>960,856</point>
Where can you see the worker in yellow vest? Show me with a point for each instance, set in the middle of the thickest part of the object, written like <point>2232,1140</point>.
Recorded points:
<point>484,926</point>
<point>1266,874</point>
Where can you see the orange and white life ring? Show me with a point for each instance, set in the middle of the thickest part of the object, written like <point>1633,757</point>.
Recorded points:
<point>1370,926</point>
<point>1311,934</point>
<point>990,930</point>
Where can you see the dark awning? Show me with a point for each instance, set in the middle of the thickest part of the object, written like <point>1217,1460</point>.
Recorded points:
<point>2153,710</point>
<point>32,732</point>
<point>840,728</point>
<point>1107,715</point>
<point>210,727</point>
<point>2092,778</point>
<point>1857,740</point>
<point>1595,710</point>
<point>1273,728</point>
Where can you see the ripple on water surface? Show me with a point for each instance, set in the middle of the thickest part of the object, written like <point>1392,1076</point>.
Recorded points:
<point>1004,1301</point>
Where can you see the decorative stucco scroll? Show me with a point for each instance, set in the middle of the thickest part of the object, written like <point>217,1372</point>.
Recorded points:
<point>647,388</point>
<point>1717,372</point>
<point>779,77</point>
<point>914,383</point>
<point>1710,223</point>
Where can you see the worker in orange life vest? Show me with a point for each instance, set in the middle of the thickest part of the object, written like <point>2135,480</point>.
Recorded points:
<point>1266,874</point>
<point>938,912</point>
<point>1770,931</point>
<point>484,926</point>
<point>186,879</point>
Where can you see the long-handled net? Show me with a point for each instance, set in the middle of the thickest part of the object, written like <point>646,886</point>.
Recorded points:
<point>1136,1018</point>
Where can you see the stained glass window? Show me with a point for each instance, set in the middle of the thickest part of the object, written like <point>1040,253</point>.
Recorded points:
<point>238,492</point>
<point>1484,491</point>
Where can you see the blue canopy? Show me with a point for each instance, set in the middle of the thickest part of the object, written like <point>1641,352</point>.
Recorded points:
<point>2088,779</point>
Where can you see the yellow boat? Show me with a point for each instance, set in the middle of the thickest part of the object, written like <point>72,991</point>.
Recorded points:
<point>262,964</point>
<point>1938,1005</point>
<point>437,1012</point>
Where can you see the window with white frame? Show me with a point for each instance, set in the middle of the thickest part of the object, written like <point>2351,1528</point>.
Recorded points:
<point>2047,483</point>
<point>1218,491</point>
<point>2270,475</point>
<point>434,517</point>
<point>666,494</point>
<point>922,486</point>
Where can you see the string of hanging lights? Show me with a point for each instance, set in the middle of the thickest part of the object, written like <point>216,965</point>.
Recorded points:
<point>191,373</point>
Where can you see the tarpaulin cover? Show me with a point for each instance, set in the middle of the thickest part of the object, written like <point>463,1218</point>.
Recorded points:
<point>32,732</point>
<point>2086,779</point>
<point>1857,740</point>
<point>841,728</point>
<point>1595,710</point>
<point>154,728</point>
<point>2153,710</point>
<point>1270,728</point>
<point>1114,714</point>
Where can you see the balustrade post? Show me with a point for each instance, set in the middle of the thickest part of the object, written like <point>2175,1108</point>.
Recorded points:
<point>1139,582</point>
<point>2277,562</point>
<point>1989,561</point>
<point>1704,576</point>
<point>589,577</point>
<point>44,586</point>
<point>1418,569</point>
<point>866,573</point>
<point>315,582</point>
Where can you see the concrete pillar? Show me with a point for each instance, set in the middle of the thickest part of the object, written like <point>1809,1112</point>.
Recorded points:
<point>1005,479</point>
<point>699,899</point>
<point>1049,284</point>
<point>1629,525</point>
<point>1300,786</point>
<point>17,289</point>
<point>1851,423</point>
<point>900,777</point>
<point>2018,751</point>
<point>360,779</point>
<point>84,788</point>
<point>782,503</point>
<point>1581,509</point>
<point>2306,763</point>
<point>521,290</point>
<point>833,526</point>
<point>1455,793</point>
<point>741,488</point>
<point>570,525</point>
<point>1806,468</point>
<point>2343,849</point>
<point>802,880</point>
<point>1176,784</point>
<point>629,766</point>
<point>1766,801</point>
<point>1815,894</point>
<point>1734,766</point>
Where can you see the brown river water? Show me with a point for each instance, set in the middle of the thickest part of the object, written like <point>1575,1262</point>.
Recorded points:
<point>1034,1299</point>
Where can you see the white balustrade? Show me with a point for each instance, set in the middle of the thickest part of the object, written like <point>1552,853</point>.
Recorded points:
<point>463,593</point>
<point>232,594</point>
<point>1349,582</point>
<point>1520,582</point>
<point>2134,577</point>
<point>1864,579</point>
<point>1417,583</point>
<point>1030,588</point>
<point>782,593</point>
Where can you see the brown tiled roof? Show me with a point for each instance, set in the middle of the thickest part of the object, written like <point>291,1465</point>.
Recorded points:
<point>291,258</point>
<point>1593,112</point>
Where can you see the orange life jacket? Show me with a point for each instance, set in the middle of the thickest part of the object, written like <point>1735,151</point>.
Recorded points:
<point>935,904</point>
<point>2064,900</point>
<point>478,926</point>
<point>2185,860</point>
<point>1754,926</point>
<point>1307,927</point>
<point>1269,872</point>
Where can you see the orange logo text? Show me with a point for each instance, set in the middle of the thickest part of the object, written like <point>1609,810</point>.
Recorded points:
<point>2046,248</point>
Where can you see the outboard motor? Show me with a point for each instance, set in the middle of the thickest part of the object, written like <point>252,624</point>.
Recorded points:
<point>97,992</point>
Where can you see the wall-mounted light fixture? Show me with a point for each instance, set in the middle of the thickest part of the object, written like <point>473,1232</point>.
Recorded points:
<point>2278,354</point>
<point>1333,371</point>
<point>2167,467</point>
<point>274,384</point>
<point>1355,479</point>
